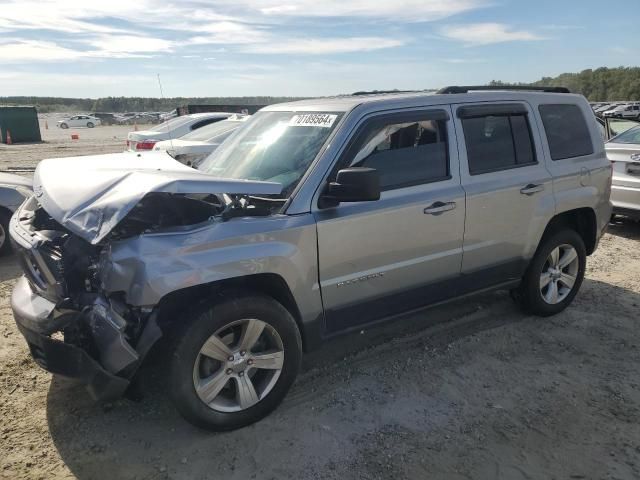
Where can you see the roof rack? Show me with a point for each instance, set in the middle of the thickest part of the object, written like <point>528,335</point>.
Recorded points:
<point>383,92</point>
<point>523,88</point>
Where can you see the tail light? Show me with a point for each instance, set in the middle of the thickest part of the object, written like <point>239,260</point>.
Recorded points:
<point>146,145</point>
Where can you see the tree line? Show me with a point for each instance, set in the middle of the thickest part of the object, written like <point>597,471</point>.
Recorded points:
<point>133,104</point>
<point>599,85</point>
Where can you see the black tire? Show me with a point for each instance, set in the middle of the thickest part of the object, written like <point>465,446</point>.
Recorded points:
<point>5,246</point>
<point>90,125</point>
<point>64,126</point>
<point>203,322</point>
<point>529,294</point>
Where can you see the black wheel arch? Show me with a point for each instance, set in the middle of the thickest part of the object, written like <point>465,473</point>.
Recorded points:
<point>582,220</point>
<point>171,306</point>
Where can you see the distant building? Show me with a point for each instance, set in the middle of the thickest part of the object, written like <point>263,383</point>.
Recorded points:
<point>19,122</point>
<point>246,109</point>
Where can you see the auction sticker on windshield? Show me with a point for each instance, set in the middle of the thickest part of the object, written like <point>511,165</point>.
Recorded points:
<point>323,120</point>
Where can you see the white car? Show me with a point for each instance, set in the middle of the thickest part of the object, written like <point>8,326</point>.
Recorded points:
<point>625,111</point>
<point>79,121</point>
<point>195,146</point>
<point>172,129</point>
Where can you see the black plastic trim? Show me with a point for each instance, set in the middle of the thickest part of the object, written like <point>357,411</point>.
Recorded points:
<point>495,109</point>
<point>389,306</point>
<point>518,88</point>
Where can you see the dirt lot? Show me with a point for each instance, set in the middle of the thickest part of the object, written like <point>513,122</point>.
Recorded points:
<point>58,143</point>
<point>473,390</point>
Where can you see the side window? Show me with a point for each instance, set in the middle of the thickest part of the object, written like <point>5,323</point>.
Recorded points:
<point>567,132</point>
<point>498,142</point>
<point>405,151</point>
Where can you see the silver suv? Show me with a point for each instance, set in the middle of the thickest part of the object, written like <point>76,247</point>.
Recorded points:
<point>313,219</point>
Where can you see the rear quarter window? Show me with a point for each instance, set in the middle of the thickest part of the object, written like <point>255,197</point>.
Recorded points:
<point>567,132</point>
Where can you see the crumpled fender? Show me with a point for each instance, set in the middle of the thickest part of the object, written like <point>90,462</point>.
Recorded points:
<point>150,266</point>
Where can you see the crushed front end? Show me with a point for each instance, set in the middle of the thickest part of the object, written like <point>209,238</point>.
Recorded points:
<point>72,328</point>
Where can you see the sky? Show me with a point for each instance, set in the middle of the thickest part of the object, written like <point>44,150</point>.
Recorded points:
<point>102,48</point>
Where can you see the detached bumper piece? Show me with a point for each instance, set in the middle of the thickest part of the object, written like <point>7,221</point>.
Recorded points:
<point>102,372</point>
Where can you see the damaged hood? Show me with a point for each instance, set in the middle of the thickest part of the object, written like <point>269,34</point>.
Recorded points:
<point>90,195</point>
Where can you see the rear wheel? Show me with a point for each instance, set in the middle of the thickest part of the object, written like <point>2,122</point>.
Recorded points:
<point>554,275</point>
<point>235,362</point>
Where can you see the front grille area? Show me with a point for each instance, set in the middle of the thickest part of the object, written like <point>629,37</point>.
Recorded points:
<point>44,271</point>
<point>38,250</point>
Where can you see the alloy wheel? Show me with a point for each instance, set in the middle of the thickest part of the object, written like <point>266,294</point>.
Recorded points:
<point>559,274</point>
<point>238,365</point>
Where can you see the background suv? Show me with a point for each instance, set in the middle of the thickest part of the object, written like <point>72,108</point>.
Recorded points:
<point>313,219</point>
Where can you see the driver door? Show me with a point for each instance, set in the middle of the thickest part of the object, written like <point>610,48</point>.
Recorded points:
<point>382,258</point>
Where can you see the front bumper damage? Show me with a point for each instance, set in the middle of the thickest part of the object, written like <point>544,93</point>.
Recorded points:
<point>79,335</point>
<point>107,367</point>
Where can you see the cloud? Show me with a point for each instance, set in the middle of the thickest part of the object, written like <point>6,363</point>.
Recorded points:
<point>228,33</point>
<point>323,46</point>
<point>119,44</point>
<point>24,51</point>
<point>31,50</point>
<point>486,33</point>
<point>411,10</point>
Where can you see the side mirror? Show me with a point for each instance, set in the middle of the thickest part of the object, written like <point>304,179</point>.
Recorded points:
<point>355,184</point>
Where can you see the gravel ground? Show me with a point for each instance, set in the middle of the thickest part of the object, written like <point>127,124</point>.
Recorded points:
<point>472,390</point>
<point>58,143</point>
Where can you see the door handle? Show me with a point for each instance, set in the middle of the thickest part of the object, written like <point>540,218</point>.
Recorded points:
<point>531,189</point>
<point>439,207</point>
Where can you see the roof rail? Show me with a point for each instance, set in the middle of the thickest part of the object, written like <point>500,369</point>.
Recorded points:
<point>383,92</point>
<point>523,88</point>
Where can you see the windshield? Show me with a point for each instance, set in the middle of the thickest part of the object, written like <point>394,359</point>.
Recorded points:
<point>209,132</point>
<point>273,146</point>
<point>630,136</point>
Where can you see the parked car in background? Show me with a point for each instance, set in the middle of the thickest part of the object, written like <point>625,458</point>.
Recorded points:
<point>625,111</point>
<point>164,116</point>
<point>172,129</point>
<point>138,118</point>
<point>624,152</point>
<point>79,121</point>
<point>601,111</point>
<point>13,190</point>
<point>314,218</point>
<point>195,146</point>
<point>106,118</point>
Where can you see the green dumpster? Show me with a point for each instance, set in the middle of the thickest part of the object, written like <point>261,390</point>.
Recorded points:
<point>21,123</point>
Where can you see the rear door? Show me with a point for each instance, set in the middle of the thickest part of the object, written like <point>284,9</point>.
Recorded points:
<point>381,258</point>
<point>508,189</point>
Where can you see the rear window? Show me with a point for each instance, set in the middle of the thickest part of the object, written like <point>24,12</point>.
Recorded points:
<point>567,131</point>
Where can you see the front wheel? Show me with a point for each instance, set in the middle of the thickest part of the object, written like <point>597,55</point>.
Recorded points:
<point>64,126</point>
<point>235,362</point>
<point>90,125</point>
<point>554,275</point>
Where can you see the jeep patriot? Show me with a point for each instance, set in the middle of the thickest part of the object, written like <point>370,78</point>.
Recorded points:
<point>315,218</point>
